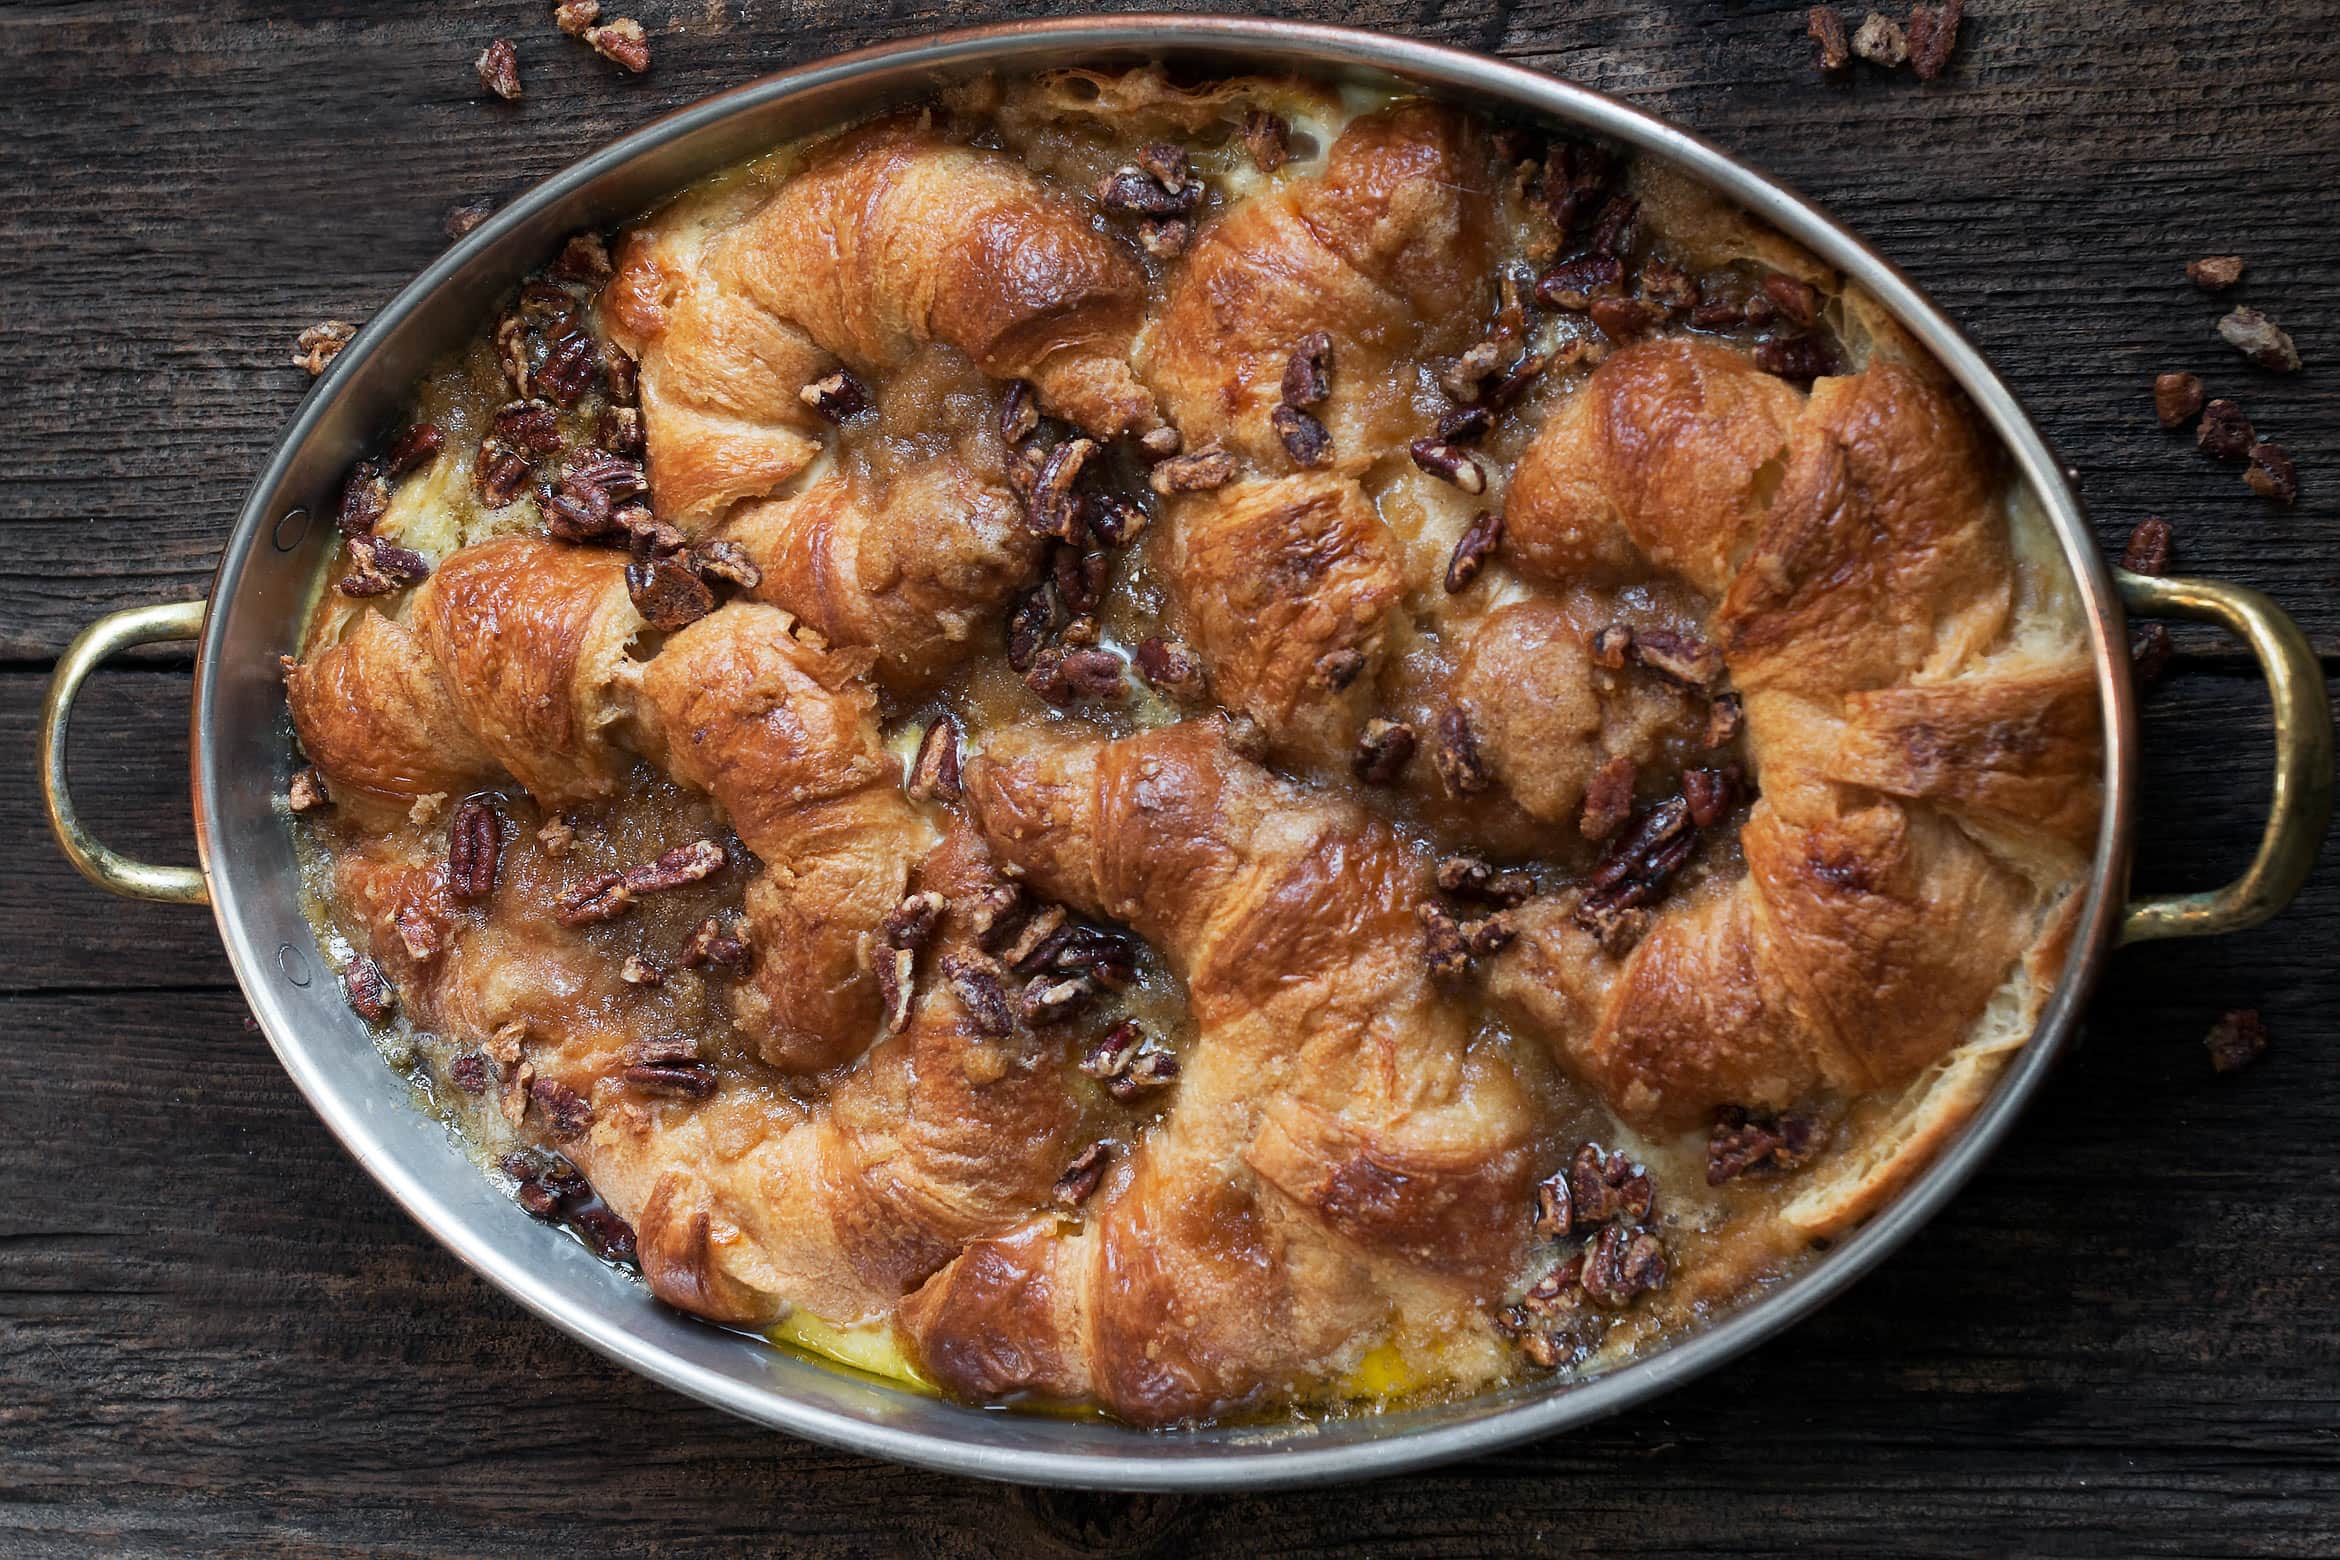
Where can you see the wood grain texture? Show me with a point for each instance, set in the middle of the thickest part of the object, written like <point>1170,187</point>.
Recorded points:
<point>217,1336</point>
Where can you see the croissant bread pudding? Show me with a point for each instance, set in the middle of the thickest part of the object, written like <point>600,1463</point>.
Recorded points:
<point>1196,750</point>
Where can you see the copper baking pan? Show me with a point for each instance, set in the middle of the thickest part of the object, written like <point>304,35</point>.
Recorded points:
<point>242,759</point>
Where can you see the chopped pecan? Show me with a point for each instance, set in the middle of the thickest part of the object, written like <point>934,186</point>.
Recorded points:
<point>377,568</point>
<point>369,991</point>
<point>1464,424</point>
<point>1449,463</point>
<point>622,373</point>
<point>1742,1142</point>
<point>547,306</point>
<point>1667,286</point>
<point>2225,433</point>
<point>2150,650</point>
<point>1160,184</point>
<point>1460,765</point>
<point>1723,719</point>
<point>475,840</point>
<point>1881,41</point>
<point>1574,284</point>
<point>2272,474</point>
<point>1052,999</point>
<point>1195,473</point>
<point>638,971</point>
<point>1555,1208</point>
<point>1614,230</point>
<point>837,397</point>
<point>1468,877</point>
<point>574,16</point>
<point>1933,33</point>
<point>2148,551</point>
<point>1797,302</point>
<point>1490,935</point>
<point>711,947</point>
<point>674,868</point>
<point>1604,1187</point>
<point>1795,357</point>
<point>1383,750</point>
<point>471,1072</point>
<point>619,430</point>
<point>1031,944</point>
<point>1267,138</point>
<point>421,932</point>
<point>687,1080</point>
<point>1165,238</point>
<point>1079,577</point>
<point>1616,927</point>
<point>1637,866</point>
<point>1019,411</point>
<point>568,369</point>
<point>1170,667</point>
<point>583,259</point>
<point>911,924</point>
<point>621,42</point>
<point>512,352</point>
<point>565,1110</point>
<point>1476,545</point>
<point>1110,1055</point>
<point>993,914</point>
<point>1160,443</point>
<point>1624,319</point>
<point>1308,373</point>
<point>1608,798</point>
<point>1824,27</point>
<point>1149,1070</point>
<point>1681,657</point>
<point>975,981</point>
<point>934,777</point>
<point>1063,676</point>
<point>307,791</point>
<point>1115,521</point>
<point>723,564</point>
<point>317,347</point>
<point>413,449</point>
<point>1575,182</point>
<point>667,594</point>
<point>1445,949</point>
<point>530,426</point>
<point>1305,439</point>
<point>1055,507</point>
<point>2215,273</point>
<point>1082,1176</point>
<point>602,897</point>
<point>499,69</point>
<point>1462,378</point>
<point>897,972</point>
<point>2236,1040</point>
<point>2259,338</point>
<point>1612,646</point>
<point>2176,398</point>
<point>1335,670</point>
<point>1709,794</point>
<point>1028,625</point>
<point>365,498</point>
<point>461,219</point>
<point>1626,1262</point>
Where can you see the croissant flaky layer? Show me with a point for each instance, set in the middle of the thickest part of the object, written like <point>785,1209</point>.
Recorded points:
<point>1342,754</point>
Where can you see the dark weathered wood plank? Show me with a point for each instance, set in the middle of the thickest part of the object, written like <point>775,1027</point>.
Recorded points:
<point>173,228</point>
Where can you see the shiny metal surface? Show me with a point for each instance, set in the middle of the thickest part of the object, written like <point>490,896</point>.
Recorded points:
<point>2300,809</point>
<point>241,761</point>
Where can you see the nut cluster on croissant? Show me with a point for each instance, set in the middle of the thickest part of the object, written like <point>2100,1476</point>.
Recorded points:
<point>1177,748</point>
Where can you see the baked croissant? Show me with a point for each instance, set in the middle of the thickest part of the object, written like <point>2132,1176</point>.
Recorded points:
<point>522,648</point>
<point>1338,1157</point>
<point>743,1205</point>
<point>1388,251</point>
<point>1865,582</point>
<point>785,738</point>
<point>916,569</point>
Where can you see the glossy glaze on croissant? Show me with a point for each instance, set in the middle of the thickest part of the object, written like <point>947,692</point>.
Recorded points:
<point>1338,1156</point>
<point>524,651</point>
<point>1863,599</point>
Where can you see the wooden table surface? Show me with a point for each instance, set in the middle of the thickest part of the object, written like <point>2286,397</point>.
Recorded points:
<point>217,1335</point>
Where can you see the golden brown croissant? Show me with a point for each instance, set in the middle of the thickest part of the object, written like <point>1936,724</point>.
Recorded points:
<point>785,738</point>
<point>1338,1162</point>
<point>742,1204</point>
<point>1865,580</point>
<point>894,237</point>
<point>915,569</point>
<point>1388,251</point>
<point>523,657</point>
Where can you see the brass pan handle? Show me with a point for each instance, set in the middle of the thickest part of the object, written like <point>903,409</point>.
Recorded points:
<point>102,865</point>
<point>2301,808</point>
